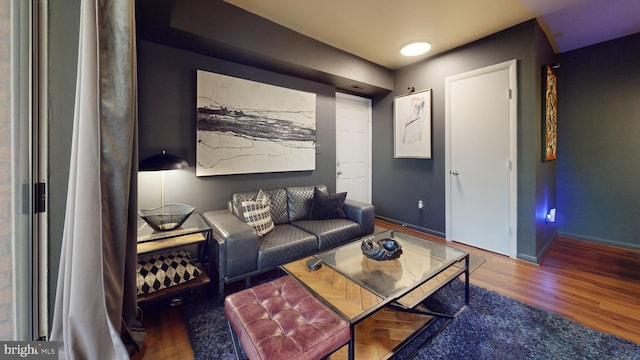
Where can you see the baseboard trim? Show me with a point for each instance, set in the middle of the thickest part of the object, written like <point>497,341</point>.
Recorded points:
<point>528,258</point>
<point>412,227</point>
<point>543,252</point>
<point>608,242</point>
<point>539,257</point>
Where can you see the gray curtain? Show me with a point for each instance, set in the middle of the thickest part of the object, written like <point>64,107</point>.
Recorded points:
<point>96,314</point>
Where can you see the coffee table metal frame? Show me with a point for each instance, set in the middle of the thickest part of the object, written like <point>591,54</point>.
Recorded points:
<point>399,297</point>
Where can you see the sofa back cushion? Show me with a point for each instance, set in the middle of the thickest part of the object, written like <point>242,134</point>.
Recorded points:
<point>300,200</point>
<point>279,211</point>
<point>277,197</point>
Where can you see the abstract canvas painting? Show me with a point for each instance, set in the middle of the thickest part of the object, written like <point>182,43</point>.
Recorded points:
<point>248,127</point>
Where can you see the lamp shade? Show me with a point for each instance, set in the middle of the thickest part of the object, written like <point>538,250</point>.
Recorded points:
<point>163,161</point>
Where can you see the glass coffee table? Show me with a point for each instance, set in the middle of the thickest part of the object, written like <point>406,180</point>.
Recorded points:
<point>369,293</point>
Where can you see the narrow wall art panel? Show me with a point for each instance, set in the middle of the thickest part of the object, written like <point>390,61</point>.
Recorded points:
<point>550,121</point>
<point>247,127</point>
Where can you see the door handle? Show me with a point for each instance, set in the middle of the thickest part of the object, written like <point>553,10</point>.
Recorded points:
<point>455,172</point>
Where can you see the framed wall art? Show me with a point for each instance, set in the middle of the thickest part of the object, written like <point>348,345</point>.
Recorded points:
<point>248,127</point>
<point>412,125</point>
<point>550,111</point>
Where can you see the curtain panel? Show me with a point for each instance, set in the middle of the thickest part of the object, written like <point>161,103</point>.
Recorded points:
<point>96,314</point>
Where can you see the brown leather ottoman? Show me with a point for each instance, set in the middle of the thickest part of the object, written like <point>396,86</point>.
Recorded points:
<point>282,320</point>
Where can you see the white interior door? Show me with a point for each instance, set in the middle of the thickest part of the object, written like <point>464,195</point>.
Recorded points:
<point>353,146</point>
<point>481,138</point>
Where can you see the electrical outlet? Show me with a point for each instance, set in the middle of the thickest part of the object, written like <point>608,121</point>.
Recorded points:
<point>420,204</point>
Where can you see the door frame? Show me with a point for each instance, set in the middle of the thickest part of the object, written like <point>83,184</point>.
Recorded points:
<point>41,171</point>
<point>511,66</point>
<point>369,147</point>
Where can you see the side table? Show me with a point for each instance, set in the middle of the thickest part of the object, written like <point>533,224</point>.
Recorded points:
<point>193,232</point>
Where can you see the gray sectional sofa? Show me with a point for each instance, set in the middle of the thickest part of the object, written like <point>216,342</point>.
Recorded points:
<point>240,253</point>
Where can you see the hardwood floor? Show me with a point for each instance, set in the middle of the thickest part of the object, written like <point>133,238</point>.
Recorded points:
<point>596,285</point>
<point>167,337</point>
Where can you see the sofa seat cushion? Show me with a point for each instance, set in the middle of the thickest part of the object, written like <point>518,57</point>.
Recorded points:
<point>283,244</point>
<point>331,232</point>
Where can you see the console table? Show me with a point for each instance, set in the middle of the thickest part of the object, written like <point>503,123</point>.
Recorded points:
<point>193,232</point>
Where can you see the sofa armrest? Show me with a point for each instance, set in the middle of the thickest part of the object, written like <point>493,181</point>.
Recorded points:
<point>237,243</point>
<point>362,213</point>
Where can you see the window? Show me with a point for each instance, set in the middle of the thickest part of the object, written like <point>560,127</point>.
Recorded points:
<point>18,321</point>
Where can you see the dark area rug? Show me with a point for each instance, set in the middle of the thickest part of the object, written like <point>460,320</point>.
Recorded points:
<point>491,327</point>
<point>208,330</point>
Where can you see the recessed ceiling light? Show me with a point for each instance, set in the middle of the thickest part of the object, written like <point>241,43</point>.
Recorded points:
<point>415,49</point>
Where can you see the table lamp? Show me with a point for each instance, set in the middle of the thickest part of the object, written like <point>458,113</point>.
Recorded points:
<point>170,216</point>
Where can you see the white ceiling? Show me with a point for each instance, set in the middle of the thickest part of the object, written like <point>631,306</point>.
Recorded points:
<point>376,29</point>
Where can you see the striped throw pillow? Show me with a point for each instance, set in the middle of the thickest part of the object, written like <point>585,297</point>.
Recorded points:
<point>257,213</point>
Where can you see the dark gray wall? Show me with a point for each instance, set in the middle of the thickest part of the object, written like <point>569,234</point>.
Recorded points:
<point>167,103</point>
<point>64,21</point>
<point>599,143</point>
<point>425,179</point>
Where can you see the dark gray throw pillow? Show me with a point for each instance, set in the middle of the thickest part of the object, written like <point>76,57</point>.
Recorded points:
<point>327,206</point>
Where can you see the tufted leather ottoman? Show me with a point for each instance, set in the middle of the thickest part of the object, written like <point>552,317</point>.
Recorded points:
<point>283,320</point>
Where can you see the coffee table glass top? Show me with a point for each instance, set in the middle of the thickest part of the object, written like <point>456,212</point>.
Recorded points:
<point>420,261</point>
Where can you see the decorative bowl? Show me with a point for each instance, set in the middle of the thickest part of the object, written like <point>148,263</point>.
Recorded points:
<point>381,249</point>
<point>166,217</point>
